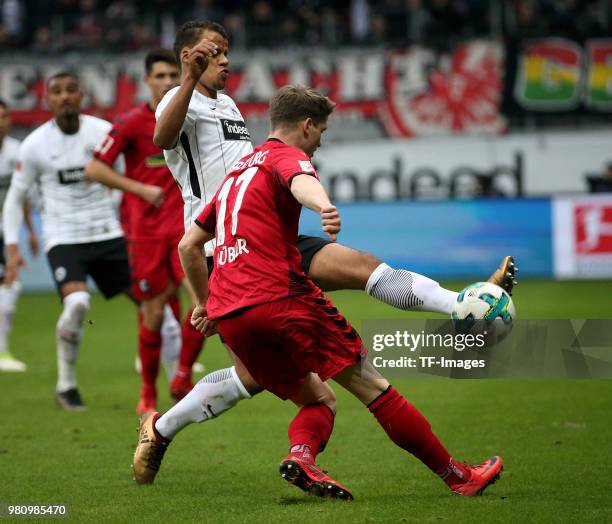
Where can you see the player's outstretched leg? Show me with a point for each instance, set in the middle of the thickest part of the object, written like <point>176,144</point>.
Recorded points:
<point>408,290</point>
<point>69,332</point>
<point>216,393</point>
<point>409,429</point>
<point>8,301</point>
<point>308,434</point>
<point>335,266</point>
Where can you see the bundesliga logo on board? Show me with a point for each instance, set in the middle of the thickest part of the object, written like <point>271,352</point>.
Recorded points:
<point>593,229</point>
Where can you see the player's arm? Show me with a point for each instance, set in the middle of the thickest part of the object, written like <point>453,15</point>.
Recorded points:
<point>309,192</point>
<point>170,120</point>
<point>27,218</point>
<point>12,213</point>
<point>193,260</point>
<point>99,171</point>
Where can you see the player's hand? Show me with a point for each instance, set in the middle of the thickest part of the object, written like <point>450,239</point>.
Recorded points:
<point>34,244</point>
<point>14,261</point>
<point>200,322</point>
<point>330,220</point>
<point>196,59</point>
<point>210,328</point>
<point>154,195</point>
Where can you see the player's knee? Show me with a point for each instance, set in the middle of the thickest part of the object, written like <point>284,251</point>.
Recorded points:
<point>247,380</point>
<point>9,293</point>
<point>371,390</point>
<point>368,261</point>
<point>341,267</point>
<point>153,320</point>
<point>367,264</point>
<point>359,268</point>
<point>331,404</point>
<point>76,306</point>
<point>243,376</point>
<point>327,396</point>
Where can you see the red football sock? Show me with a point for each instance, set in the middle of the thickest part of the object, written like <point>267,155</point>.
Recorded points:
<point>193,341</point>
<point>175,305</point>
<point>310,430</point>
<point>149,348</point>
<point>410,430</point>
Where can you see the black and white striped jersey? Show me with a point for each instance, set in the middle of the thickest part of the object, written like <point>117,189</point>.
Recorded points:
<point>213,137</point>
<point>74,209</point>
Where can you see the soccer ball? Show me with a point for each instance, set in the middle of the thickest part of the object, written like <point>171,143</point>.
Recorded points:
<point>486,309</point>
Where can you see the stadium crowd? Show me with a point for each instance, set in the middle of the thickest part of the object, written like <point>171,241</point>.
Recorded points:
<point>49,27</point>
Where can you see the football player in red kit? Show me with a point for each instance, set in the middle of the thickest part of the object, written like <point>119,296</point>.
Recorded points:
<point>154,208</point>
<point>287,333</point>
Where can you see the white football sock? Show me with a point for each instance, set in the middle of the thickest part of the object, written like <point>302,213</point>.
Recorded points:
<point>407,290</point>
<point>69,332</point>
<point>8,302</point>
<point>171,341</point>
<point>214,394</point>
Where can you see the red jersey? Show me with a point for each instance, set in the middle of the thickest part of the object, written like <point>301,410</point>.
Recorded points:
<point>255,219</point>
<point>132,135</point>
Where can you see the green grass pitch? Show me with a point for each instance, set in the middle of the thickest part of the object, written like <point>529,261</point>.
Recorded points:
<point>554,435</point>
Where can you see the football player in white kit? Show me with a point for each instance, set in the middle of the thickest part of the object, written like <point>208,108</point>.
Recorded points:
<point>9,290</point>
<point>80,227</point>
<point>203,134</point>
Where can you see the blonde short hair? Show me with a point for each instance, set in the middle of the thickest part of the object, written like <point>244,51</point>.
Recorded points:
<point>293,103</point>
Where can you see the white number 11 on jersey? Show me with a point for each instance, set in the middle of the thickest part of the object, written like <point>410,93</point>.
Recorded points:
<point>243,181</point>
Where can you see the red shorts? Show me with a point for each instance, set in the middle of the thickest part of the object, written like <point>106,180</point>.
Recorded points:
<point>155,264</point>
<point>280,342</point>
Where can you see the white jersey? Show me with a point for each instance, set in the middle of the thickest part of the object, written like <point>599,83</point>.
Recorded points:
<point>8,160</point>
<point>74,209</point>
<point>213,138</point>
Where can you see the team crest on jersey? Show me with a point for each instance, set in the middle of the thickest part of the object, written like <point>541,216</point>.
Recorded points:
<point>60,273</point>
<point>72,175</point>
<point>156,161</point>
<point>306,166</point>
<point>235,130</point>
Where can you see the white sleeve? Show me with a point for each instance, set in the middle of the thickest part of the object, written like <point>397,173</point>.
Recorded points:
<point>21,182</point>
<point>190,117</point>
<point>163,103</point>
